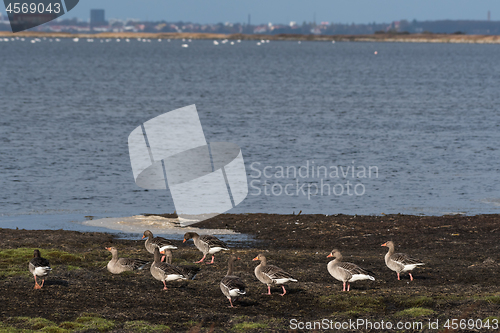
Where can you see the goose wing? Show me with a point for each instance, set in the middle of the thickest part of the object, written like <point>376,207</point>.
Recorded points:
<point>353,268</point>
<point>213,241</point>
<point>276,273</point>
<point>234,282</point>
<point>170,269</point>
<point>132,263</point>
<point>39,262</point>
<point>162,243</point>
<point>404,259</point>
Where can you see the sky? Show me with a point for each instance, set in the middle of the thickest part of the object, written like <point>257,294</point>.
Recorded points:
<point>284,11</point>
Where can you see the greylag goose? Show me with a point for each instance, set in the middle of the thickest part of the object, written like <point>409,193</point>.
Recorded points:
<point>207,244</point>
<point>40,267</point>
<point>271,275</point>
<point>119,265</point>
<point>400,262</point>
<point>157,242</point>
<point>189,271</point>
<point>232,286</point>
<point>165,272</point>
<point>346,271</point>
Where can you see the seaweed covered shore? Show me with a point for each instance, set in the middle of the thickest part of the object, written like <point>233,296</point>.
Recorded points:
<point>459,279</point>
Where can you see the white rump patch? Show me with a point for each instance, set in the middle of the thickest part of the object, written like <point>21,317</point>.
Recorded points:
<point>40,271</point>
<point>216,249</point>
<point>410,267</point>
<point>173,277</point>
<point>357,277</point>
<point>236,292</point>
<point>283,281</point>
<point>168,247</point>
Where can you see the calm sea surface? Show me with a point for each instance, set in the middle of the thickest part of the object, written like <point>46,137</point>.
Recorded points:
<point>424,119</point>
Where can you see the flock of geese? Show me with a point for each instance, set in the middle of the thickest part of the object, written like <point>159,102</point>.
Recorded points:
<point>231,285</point>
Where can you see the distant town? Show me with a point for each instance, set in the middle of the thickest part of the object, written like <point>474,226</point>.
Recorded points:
<point>98,24</point>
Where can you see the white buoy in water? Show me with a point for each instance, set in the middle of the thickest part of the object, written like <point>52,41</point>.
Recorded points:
<point>76,40</point>
<point>216,42</point>
<point>185,45</point>
<point>258,44</point>
<point>375,52</point>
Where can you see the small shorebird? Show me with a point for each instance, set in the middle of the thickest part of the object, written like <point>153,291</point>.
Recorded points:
<point>232,286</point>
<point>207,244</point>
<point>40,267</point>
<point>400,262</point>
<point>271,275</point>
<point>119,265</point>
<point>346,271</point>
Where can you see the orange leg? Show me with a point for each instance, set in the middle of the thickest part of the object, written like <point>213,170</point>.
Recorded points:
<point>201,260</point>
<point>37,286</point>
<point>213,257</point>
<point>284,291</point>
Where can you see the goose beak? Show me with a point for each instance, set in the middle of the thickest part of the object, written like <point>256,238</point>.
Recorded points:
<point>238,258</point>
<point>108,248</point>
<point>256,258</point>
<point>184,241</point>
<point>385,244</point>
<point>162,252</point>
<point>143,237</point>
<point>329,256</point>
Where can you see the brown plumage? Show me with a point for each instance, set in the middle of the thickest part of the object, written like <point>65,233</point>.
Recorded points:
<point>232,286</point>
<point>400,262</point>
<point>271,275</point>
<point>40,267</point>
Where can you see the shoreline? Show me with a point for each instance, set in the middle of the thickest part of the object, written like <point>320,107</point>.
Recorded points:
<point>459,278</point>
<point>387,37</point>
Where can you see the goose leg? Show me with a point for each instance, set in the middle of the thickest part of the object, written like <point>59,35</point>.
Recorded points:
<point>398,277</point>
<point>411,277</point>
<point>208,263</point>
<point>268,291</point>
<point>165,285</point>
<point>162,258</point>
<point>43,280</point>
<point>348,286</point>
<point>284,291</point>
<point>344,287</point>
<point>37,286</point>
<point>197,262</point>
<point>231,302</point>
